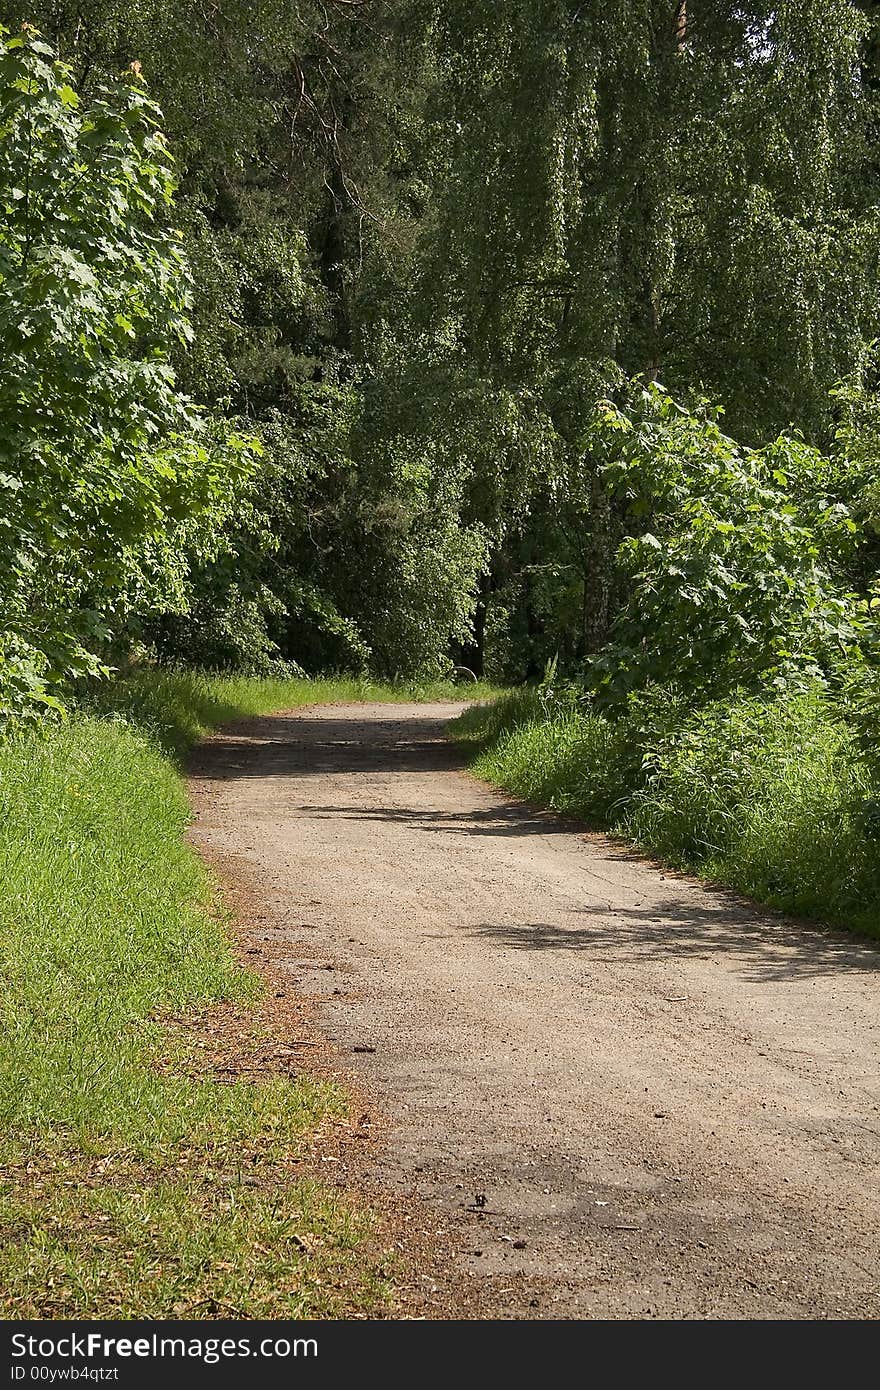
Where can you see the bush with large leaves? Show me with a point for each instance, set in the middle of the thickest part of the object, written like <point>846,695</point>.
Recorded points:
<point>737,559</point>
<point>103,462</point>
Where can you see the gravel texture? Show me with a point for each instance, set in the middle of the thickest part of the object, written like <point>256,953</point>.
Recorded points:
<point>611,1091</point>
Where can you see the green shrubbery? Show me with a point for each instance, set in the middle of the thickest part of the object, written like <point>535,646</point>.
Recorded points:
<point>108,474</point>
<point>770,796</point>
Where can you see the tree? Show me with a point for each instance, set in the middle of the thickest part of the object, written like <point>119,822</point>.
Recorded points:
<point>686,196</point>
<point>103,460</point>
<point>425,239</point>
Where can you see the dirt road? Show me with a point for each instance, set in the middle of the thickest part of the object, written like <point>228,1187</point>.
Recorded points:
<point>619,1093</point>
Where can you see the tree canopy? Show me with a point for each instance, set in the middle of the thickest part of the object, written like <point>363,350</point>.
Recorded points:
<point>432,257</point>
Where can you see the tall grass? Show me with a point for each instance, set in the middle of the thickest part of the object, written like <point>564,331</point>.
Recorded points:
<point>770,796</point>
<point>104,928</point>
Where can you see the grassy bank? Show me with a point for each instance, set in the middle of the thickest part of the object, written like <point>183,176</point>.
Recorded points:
<point>769,796</point>
<point>136,1180</point>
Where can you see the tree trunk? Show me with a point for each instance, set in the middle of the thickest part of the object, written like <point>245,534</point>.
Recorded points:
<point>595,611</point>
<point>331,256</point>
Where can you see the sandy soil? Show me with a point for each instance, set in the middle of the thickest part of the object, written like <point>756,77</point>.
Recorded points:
<point>612,1091</point>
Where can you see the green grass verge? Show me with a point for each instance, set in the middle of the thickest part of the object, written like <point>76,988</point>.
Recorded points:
<point>771,797</point>
<point>135,1182</point>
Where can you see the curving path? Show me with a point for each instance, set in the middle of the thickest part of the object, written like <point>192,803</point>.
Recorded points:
<point>621,1094</point>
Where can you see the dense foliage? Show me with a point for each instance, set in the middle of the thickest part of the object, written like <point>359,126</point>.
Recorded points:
<point>105,464</point>
<point>439,257</point>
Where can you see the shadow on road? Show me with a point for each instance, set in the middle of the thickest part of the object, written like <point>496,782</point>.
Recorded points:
<point>766,947</point>
<point>279,747</point>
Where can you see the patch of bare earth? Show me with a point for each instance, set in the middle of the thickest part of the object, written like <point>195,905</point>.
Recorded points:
<point>581,1087</point>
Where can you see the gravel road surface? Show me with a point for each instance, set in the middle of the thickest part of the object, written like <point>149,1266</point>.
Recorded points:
<point>618,1093</point>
